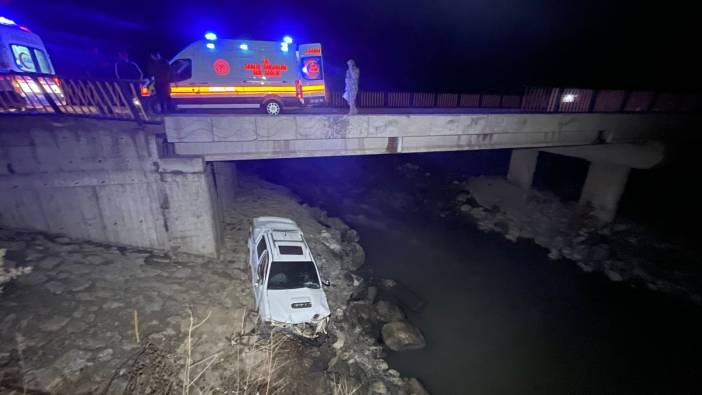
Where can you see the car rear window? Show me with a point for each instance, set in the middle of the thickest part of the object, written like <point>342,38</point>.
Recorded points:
<point>290,250</point>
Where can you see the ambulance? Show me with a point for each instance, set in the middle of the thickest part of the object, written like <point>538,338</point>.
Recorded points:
<point>267,75</point>
<point>26,72</point>
<point>22,51</point>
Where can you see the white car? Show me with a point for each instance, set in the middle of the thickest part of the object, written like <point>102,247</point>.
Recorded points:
<point>286,282</point>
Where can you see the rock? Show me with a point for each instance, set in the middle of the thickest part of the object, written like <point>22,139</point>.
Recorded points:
<point>54,323</point>
<point>112,305</point>
<point>371,294</point>
<point>415,387</point>
<point>95,259</point>
<point>388,311</point>
<point>462,197</point>
<point>378,387</point>
<point>613,276</point>
<point>55,287</point>
<point>357,255</point>
<point>72,363</point>
<point>82,285</point>
<point>89,343</point>
<point>7,323</point>
<point>105,355</point>
<point>402,336</point>
<point>33,278</point>
<point>340,341</point>
<point>49,262</point>
<point>466,208</point>
<point>554,254</point>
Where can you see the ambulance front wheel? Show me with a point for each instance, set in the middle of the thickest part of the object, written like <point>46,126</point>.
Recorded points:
<point>272,107</point>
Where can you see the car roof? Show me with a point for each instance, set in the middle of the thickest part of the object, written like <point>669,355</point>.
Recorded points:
<point>283,232</point>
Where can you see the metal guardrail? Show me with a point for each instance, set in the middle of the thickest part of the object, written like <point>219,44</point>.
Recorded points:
<point>50,94</point>
<point>563,100</point>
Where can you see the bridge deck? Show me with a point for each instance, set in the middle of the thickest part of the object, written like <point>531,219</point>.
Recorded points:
<point>250,136</point>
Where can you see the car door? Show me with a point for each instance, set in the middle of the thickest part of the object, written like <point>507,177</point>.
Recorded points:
<point>258,251</point>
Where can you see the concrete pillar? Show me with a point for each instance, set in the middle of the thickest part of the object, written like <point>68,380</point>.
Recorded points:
<point>603,187</point>
<point>522,166</point>
<point>226,183</point>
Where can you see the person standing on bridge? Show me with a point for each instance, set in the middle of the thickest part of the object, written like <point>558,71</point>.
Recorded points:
<point>353,73</point>
<point>160,70</point>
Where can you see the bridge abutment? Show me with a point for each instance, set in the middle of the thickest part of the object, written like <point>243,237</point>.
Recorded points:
<point>104,181</point>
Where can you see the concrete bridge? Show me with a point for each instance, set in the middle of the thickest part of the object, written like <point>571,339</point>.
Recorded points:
<point>613,143</point>
<point>165,186</point>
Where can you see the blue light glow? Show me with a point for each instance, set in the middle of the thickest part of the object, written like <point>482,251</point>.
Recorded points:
<point>210,36</point>
<point>210,45</point>
<point>244,46</point>
<point>284,47</point>
<point>287,40</point>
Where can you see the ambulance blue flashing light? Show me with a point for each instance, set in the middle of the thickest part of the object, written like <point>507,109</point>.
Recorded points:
<point>244,47</point>
<point>6,21</point>
<point>210,46</point>
<point>209,36</point>
<point>287,40</point>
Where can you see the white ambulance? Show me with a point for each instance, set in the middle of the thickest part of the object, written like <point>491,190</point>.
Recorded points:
<point>270,75</point>
<point>22,51</point>
<point>26,72</point>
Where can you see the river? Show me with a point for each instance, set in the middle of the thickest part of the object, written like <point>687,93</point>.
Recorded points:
<point>500,317</point>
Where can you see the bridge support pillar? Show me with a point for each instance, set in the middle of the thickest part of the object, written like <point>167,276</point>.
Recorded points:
<point>522,166</point>
<point>603,187</point>
<point>225,178</point>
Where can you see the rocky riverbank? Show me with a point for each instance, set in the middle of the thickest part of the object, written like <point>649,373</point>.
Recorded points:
<point>94,318</point>
<point>621,250</point>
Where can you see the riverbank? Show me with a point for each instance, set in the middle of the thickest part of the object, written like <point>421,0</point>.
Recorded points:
<point>94,318</point>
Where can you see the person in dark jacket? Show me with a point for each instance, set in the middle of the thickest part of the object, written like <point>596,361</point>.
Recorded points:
<point>160,70</point>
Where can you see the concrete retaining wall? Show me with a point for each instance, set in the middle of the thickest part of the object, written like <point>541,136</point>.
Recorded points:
<point>104,181</point>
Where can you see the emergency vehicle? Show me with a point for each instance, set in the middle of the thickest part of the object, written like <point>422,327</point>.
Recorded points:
<point>286,283</point>
<point>226,73</point>
<point>26,71</point>
<point>21,50</point>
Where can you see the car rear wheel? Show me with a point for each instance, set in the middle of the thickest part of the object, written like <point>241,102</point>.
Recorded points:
<point>272,107</point>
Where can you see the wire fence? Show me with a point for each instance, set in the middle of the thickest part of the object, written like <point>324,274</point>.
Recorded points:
<point>50,94</point>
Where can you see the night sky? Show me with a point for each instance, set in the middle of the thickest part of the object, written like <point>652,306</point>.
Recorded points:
<point>438,45</point>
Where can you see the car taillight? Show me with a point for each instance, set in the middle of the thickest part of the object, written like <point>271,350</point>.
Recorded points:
<point>298,89</point>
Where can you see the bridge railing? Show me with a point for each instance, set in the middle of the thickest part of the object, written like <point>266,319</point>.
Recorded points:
<point>49,94</point>
<point>534,99</point>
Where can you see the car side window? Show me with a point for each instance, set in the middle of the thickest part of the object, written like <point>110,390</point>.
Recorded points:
<point>262,268</point>
<point>261,247</point>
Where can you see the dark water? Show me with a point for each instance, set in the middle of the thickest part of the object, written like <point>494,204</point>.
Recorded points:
<point>500,317</point>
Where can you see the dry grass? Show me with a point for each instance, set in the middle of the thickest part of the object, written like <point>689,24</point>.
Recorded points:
<point>342,386</point>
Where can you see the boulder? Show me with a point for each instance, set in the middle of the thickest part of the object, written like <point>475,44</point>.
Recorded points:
<point>415,387</point>
<point>402,336</point>
<point>357,257</point>
<point>388,311</point>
